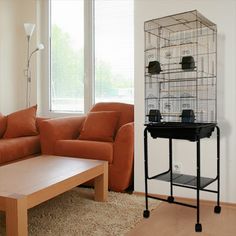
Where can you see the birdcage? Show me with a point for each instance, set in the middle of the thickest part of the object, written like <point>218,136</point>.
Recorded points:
<point>181,69</point>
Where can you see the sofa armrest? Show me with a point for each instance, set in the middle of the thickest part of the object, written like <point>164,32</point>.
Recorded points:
<point>123,157</point>
<point>57,129</point>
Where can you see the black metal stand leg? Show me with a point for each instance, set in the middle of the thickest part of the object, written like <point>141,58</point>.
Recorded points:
<point>170,198</point>
<point>146,212</point>
<point>217,207</point>
<point>198,226</point>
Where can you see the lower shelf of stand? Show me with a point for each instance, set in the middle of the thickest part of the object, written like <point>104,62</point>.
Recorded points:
<point>185,180</point>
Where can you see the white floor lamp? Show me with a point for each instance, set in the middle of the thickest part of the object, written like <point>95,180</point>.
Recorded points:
<point>29,29</point>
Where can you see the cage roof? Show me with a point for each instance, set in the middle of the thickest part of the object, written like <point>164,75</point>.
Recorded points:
<point>180,22</point>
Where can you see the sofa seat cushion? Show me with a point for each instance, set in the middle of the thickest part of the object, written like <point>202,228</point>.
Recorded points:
<point>85,149</point>
<point>16,148</point>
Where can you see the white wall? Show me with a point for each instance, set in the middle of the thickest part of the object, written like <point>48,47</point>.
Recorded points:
<point>223,13</point>
<point>13,14</point>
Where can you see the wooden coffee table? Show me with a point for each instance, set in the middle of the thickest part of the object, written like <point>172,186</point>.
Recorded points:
<point>27,183</point>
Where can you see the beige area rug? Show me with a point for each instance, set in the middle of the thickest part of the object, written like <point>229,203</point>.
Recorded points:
<point>76,213</point>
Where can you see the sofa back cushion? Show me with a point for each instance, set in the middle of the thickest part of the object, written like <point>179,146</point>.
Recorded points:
<point>126,110</point>
<point>100,126</point>
<point>3,124</point>
<point>21,123</point>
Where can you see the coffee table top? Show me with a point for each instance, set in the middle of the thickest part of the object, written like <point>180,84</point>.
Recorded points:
<point>32,175</point>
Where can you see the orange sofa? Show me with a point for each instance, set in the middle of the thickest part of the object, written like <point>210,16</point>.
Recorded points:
<point>106,133</point>
<point>20,147</point>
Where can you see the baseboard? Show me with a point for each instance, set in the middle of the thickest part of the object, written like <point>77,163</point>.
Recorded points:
<point>183,199</point>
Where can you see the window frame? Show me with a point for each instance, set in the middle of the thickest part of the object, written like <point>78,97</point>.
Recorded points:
<point>89,59</point>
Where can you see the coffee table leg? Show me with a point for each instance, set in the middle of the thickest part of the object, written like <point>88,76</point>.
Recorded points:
<point>16,217</point>
<point>101,185</point>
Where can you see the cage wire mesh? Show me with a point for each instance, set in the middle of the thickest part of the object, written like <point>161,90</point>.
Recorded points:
<point>181,67</point>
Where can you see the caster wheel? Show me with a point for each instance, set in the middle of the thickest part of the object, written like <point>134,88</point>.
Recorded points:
<point>170,199</point>
<point>217,209</point>
<point>198,227</point>
<point>146,213</point>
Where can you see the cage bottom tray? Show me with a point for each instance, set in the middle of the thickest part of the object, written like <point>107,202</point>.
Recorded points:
<point>180,130</point>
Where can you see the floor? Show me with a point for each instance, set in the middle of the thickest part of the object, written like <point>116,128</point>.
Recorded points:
<point>170,219</point>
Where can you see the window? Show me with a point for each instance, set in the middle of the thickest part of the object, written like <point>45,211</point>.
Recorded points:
<point>114,51</point>
<point>91,53</point>
<point>67,55</point>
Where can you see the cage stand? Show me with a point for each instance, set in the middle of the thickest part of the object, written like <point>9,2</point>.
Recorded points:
<point>186,181</point>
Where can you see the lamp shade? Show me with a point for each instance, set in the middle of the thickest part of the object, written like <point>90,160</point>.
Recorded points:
<point>29,29</point>
<point>40,46</point>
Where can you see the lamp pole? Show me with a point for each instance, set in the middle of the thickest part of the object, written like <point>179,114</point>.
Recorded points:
<point>28,79</point>
<point>29,29</point>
